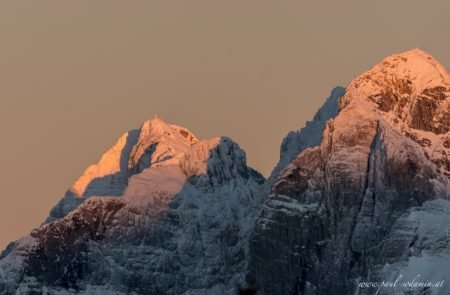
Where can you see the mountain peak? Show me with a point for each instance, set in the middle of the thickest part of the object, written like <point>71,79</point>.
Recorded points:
<point>415,68</point>
<point>160,145</point>
<point>415,52</point>
<point>409,87</point>
<point>417,65</point>
<point>158,126</point>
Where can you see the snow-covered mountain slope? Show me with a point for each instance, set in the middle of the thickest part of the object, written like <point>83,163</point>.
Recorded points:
<point>178,212</point>
<point>342,211</point>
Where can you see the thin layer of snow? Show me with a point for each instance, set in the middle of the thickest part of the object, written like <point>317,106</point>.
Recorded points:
<point>430,226</point>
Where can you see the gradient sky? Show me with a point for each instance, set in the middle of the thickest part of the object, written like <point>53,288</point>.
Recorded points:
<point>75,75</point>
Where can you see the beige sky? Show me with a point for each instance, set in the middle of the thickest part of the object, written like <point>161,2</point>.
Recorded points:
<point>75,75</point>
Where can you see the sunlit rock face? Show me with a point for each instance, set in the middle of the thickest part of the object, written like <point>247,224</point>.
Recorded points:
<point>161,213</point>
<point>356,206</point>
<point>360,194</point>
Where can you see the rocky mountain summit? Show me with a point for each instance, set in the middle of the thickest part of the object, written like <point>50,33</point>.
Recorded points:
<point>370,200</point>
<point>160,213</point>
<point>360,194</point>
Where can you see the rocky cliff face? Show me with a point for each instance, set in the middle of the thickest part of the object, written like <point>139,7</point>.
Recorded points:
<point>361,194</point>
<point>355,206</point>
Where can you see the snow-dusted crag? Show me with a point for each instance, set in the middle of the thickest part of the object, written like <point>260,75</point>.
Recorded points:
<point>160,213</point>
<point>360,194</point>
<point>369,201</point>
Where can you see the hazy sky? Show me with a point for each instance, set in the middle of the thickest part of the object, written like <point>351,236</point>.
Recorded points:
<point>75,75</point>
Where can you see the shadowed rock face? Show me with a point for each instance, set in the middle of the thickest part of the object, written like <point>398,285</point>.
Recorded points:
<point>336,214</point>
<point>63,247</point>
